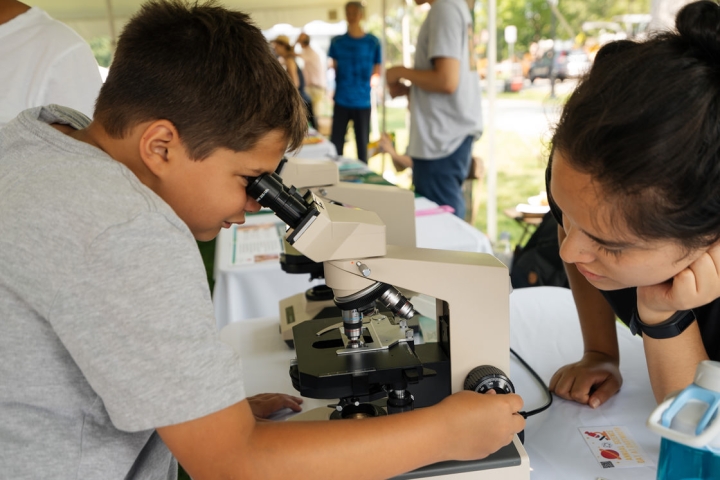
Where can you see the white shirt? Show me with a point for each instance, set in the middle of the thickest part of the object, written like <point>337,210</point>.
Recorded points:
<point>43,61</point>
<point>313,69</point>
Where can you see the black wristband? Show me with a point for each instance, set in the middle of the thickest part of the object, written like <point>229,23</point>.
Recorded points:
<point>672,327</point>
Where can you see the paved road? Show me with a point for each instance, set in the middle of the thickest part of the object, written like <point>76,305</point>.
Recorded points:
<point>528,117</point>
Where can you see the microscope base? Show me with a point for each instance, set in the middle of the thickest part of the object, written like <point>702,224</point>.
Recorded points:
<point>509,463</point>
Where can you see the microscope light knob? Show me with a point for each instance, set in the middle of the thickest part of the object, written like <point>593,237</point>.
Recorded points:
<point>364,269</point>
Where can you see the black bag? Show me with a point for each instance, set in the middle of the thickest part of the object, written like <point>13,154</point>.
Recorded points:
<point>538,263</point>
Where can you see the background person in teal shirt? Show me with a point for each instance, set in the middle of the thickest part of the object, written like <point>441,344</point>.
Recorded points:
<point>356,57</point>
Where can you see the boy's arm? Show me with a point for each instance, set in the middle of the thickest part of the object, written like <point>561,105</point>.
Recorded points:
<point>443,78</point>
<point>231,444</point>
<point>596,377</point>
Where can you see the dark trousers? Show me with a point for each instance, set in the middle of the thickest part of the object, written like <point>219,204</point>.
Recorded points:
<point>441,180</point>
<point>361,124</point>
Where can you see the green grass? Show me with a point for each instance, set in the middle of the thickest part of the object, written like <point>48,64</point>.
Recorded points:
<point>520,164</point>
<point>536,95</point>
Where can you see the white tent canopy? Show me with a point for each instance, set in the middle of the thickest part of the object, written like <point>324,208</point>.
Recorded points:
<point>94,18</point>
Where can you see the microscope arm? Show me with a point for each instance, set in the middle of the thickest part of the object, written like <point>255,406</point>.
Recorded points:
<point>472,291</point>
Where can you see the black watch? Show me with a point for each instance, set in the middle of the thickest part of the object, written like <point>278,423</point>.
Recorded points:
<point>672,327</point>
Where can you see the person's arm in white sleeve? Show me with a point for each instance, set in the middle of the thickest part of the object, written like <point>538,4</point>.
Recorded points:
<point>73,80</point>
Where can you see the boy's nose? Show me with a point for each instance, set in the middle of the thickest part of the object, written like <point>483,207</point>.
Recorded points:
<point>252,205</point>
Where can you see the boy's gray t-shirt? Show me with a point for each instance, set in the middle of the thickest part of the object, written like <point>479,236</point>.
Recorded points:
<point>439,122</point>
<point>106,322</point>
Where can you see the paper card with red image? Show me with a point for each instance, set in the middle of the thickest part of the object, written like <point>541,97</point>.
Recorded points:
<point>614,447</point>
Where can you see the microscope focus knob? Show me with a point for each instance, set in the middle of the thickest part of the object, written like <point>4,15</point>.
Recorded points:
<point>485,378</point>
<point>364,269</point>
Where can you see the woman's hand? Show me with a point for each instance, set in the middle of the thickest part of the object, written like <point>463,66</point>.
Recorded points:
<point>696,285</point>
<point>591,381</point>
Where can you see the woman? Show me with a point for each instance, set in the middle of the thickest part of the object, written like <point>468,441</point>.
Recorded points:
<point>286,55</point>
<point>634,181</point>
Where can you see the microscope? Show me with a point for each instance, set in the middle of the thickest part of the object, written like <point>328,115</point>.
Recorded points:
<point>368,360</point>
<point>395,207</point>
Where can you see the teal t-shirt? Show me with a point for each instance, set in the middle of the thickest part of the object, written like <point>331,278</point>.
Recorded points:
<point>355,59</point>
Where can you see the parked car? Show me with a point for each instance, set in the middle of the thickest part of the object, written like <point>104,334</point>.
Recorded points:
<point>567,64</point>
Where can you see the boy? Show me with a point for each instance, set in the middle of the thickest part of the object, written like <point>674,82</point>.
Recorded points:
<point>109,358</point>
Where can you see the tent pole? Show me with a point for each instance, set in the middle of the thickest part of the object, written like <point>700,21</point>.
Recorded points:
<point>489,129</point>
<point>382,80</point>
<point>111,24</point>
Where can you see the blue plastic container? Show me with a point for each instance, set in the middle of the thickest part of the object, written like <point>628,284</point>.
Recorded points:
<point>680,462</point>
<point>690,427</point>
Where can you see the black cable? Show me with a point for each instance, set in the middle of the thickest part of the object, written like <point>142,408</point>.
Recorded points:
<point>540,381</point>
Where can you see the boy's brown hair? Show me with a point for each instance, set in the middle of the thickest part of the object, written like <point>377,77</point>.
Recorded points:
<point>206,69</point>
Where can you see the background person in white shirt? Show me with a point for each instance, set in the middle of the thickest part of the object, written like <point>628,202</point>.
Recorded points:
<point>314,71</point>
<point>43,61</point>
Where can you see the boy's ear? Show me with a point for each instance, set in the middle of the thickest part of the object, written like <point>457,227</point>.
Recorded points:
<point>159,146</point>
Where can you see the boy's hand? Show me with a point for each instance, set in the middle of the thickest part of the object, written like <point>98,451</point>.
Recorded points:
<point>591,381</point>
<point>266,404</point>
<point>477,425</point>
<point>697,285</point>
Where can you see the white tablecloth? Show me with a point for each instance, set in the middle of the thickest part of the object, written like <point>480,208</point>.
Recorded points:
<point>545,332</point>
<point>322,150</point>
<point>251,291</point>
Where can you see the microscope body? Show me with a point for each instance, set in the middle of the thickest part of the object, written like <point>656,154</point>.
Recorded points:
<point>395,207</point>
<point>369,359</point>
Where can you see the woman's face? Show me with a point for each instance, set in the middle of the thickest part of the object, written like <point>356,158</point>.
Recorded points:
<point>602,248</point>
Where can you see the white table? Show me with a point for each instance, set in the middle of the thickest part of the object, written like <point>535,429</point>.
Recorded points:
<point>250,291</point>
<point>323,149</point>
<point>546,333</point>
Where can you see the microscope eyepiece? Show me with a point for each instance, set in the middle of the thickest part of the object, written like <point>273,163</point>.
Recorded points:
<point>287,203</point>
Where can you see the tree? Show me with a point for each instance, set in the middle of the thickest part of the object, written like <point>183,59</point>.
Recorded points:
<point>533,19</point>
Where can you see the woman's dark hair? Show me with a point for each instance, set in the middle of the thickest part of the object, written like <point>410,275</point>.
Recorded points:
<point>206,69</point>
<point>645,124</point>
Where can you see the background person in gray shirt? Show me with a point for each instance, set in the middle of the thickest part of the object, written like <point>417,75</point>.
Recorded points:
<point>110,361</point>
<point>445,103</point>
